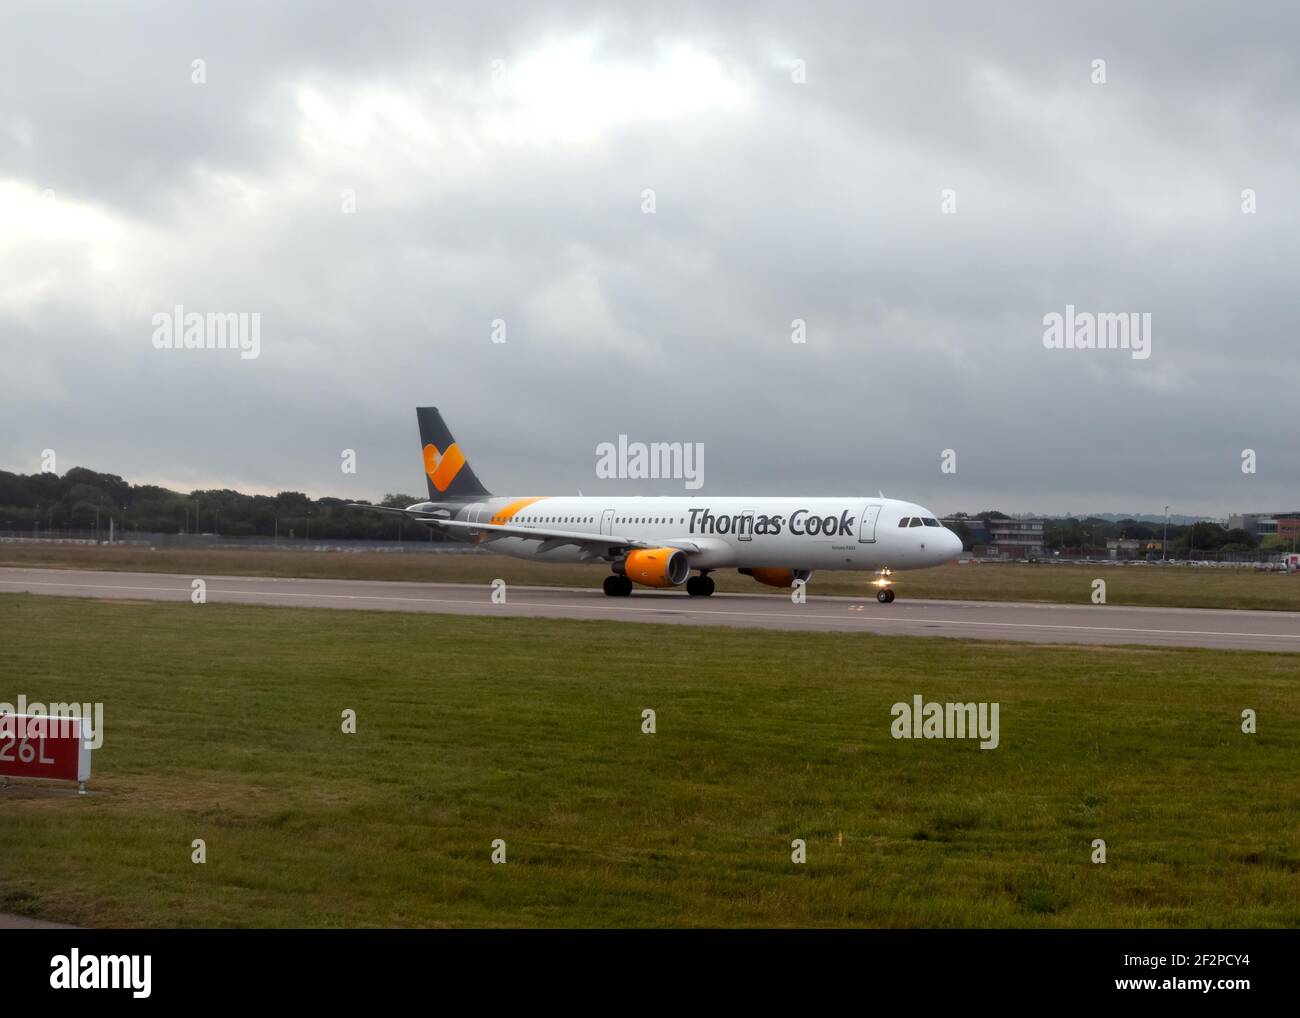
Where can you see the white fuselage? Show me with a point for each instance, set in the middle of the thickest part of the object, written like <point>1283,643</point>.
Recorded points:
<point>761,532</point>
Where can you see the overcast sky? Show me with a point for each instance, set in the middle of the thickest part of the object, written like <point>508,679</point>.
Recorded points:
<point>798,156</point>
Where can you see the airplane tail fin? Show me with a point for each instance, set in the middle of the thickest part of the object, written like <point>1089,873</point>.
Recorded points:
<point>445,467</point>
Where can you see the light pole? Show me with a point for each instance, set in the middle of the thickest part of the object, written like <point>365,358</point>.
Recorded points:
<point>1164,543</point>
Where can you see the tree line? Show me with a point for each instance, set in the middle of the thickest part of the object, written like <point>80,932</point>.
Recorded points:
<point>1091,533</point>
<point>83,500</point>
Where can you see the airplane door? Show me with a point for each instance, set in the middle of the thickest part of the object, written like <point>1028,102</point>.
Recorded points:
<point>746,525</point>
<point>607,522</point>
<point>867,532</point>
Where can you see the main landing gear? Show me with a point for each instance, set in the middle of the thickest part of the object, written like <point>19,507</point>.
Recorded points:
<point>883,594</point>
<point>700,586</point>
<point>617,586</point>
<point>621,586</point>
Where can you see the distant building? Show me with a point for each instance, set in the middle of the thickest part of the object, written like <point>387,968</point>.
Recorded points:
<point>1016,538</point>
<point>1284,525</point>
<point>1255,524</point>
<point>1127,548</point>
<point>1288,526</point>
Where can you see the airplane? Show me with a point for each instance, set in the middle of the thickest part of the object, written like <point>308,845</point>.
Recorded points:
<point>659,541</point>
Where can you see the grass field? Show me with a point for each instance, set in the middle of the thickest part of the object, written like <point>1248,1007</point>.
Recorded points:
<point>1172,586</point>
<point>223,723</point>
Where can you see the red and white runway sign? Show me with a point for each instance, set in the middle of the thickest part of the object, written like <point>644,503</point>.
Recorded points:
<point>35,746</point>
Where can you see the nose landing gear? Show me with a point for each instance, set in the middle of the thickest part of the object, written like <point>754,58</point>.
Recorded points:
<point>883,592</point>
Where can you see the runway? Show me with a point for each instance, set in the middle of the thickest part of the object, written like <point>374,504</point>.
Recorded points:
<point>987,620</point>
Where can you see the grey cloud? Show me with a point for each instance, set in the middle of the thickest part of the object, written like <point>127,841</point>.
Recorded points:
<point>816,201</point>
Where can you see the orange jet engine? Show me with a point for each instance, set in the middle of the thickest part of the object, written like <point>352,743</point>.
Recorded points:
<point>657,567</point>
<point>778,577</point>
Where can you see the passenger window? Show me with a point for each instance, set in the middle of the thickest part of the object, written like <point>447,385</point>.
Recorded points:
<point>905,521</point>
<point>916,522</point>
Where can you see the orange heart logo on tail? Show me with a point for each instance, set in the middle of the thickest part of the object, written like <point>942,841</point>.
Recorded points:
<point>442,467</point>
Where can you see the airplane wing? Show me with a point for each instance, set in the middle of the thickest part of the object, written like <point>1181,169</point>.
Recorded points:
<point>549,538</point>
<point>557,538</point>
<point>414,514</point>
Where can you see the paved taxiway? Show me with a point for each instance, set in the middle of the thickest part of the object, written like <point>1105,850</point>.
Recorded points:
<point>990,620</point>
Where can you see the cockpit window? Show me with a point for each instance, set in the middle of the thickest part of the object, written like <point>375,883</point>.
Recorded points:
<point>905,521</point>
<point>930,521</point>
<point>916,521</point>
